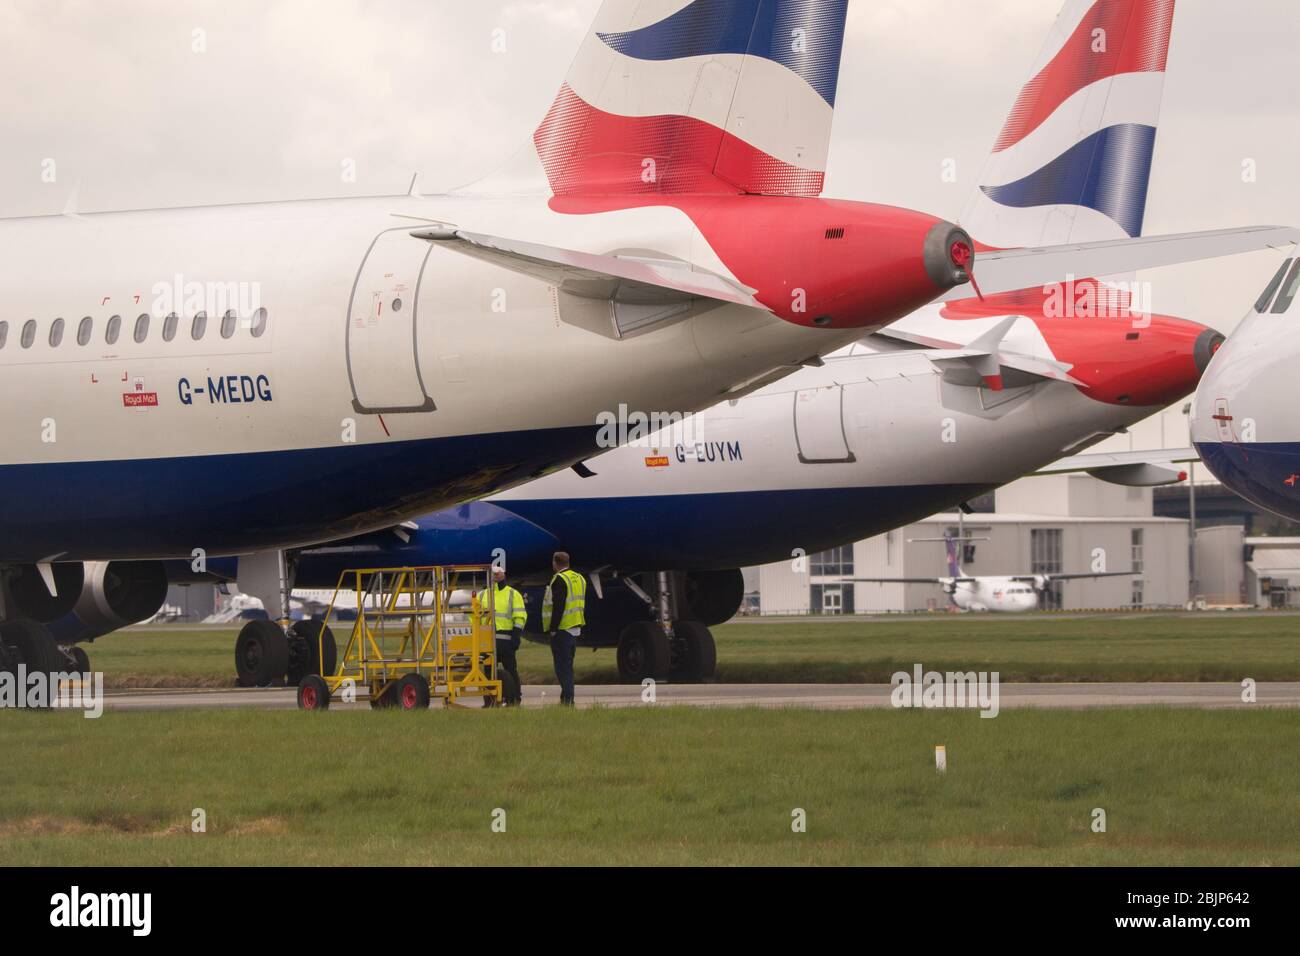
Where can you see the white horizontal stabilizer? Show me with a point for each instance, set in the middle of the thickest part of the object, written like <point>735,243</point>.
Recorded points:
<point>1007,270</point>
<point>982,357</point>
<point>587,275</point>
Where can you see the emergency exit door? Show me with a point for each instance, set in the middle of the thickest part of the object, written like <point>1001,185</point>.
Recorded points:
<point>383,328</point>
<point>819,432</point>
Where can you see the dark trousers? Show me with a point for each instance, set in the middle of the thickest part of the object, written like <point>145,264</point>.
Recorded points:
<point>506,662</point>
<point>564,647</point>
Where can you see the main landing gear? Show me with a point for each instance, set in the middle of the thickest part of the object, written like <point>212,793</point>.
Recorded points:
<point>267,653</point>
<point>668,648</point>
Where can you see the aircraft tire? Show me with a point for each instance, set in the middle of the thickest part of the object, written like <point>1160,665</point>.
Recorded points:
<point>29,643</point>
<point>261,654</point>
<point>643,652</point>
<point>305,650</point>
<point>695,658</point>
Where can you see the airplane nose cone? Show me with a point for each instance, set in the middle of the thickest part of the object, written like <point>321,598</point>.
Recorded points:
<point>1207,343</point>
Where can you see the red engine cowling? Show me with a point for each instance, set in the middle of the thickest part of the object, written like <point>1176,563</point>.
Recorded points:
<point>822,263</point>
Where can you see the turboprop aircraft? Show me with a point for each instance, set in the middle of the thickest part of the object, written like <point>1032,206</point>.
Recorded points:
<point>1000,593</point>
<point>677,255</point>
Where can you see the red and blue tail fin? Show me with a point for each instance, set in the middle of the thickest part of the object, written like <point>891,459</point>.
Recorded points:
<point>1073,162</point>
<point>953,546</point>
<point>698,97</point>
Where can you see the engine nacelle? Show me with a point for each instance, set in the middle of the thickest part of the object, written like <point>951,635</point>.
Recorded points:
<point>115,594</point>
<point>712,597</point>
<point>28,595</point>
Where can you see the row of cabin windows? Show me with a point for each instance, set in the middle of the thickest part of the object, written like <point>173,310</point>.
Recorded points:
<point>112,331</point>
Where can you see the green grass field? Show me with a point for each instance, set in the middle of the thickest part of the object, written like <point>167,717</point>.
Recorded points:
<point>1123,647</point>
<point>652,786</point>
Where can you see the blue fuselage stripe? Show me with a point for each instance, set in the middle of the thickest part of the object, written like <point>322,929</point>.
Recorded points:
<point>224,504</point>
<point>647,533</point>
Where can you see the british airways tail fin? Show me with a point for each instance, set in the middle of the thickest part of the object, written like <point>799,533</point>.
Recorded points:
<point>951,544</point>
<point>697,97</point>
<point>1073,162</point>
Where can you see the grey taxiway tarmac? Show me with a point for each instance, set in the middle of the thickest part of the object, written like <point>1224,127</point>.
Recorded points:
<point>810,696</point>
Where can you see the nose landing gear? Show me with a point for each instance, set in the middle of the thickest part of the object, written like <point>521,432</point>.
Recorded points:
<point>667,648</point>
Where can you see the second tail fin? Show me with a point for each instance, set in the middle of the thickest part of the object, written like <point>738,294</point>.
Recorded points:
<point>707,96</point>
<point>953,547</point>
<point>1073,162</point>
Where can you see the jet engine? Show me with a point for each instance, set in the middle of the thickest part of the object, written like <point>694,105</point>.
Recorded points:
<point>28,594</point>
<point>712,597</point>
<point>114,595</point>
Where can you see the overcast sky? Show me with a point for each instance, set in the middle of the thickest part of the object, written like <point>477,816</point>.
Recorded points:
<point>143,103</point>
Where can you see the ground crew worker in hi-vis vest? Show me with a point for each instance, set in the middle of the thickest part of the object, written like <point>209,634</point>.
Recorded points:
<point>563,618</point>
<point>511,616</point>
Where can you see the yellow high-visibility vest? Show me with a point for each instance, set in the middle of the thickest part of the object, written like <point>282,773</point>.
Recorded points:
<point>510,609</point>
<point>574,605</point>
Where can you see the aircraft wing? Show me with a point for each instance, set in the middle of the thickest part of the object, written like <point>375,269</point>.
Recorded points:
<point>625,279</point>
<point>1035,578</point>
<point>1006,270</point>
<point>1134,469</point>
<point>946,582</point>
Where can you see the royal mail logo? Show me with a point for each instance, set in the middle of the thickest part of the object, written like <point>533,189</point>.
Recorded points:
<point>140,399</point>
<point>658,461</point>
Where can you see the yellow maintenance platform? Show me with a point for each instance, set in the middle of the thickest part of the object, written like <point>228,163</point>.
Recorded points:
<point>420,634</point>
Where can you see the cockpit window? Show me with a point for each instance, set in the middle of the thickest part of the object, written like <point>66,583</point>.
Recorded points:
<point>1289,289</point>
<point>1271,290</point>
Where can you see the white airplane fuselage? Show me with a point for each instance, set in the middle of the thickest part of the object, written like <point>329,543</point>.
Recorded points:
<point>1002,595</point>
<point>351,409</point>
<point>867,443</point>
<point>871,441</point>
